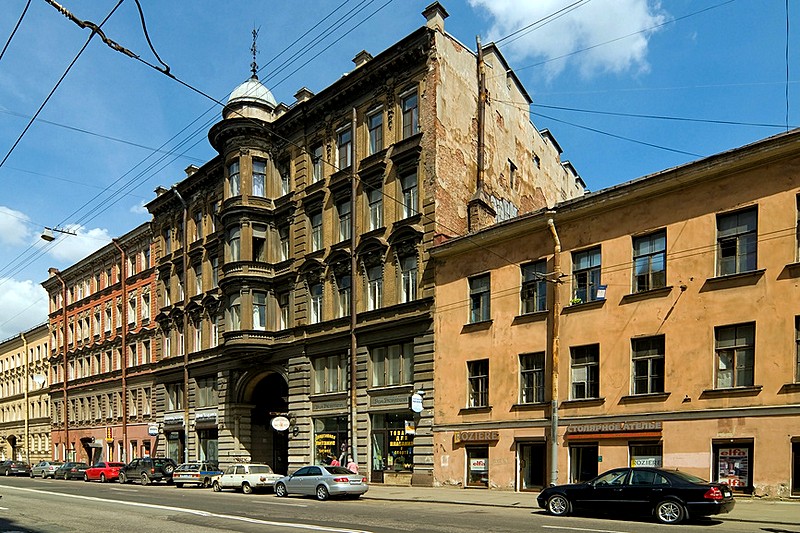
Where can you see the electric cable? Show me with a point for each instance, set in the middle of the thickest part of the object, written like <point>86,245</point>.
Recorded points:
<point>14,31</point>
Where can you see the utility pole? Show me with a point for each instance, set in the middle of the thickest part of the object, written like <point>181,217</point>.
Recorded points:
<point>554,353</point>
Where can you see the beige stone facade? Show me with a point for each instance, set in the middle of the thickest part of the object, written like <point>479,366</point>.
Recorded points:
<point>672,312</point>
<point>24,396</point>
<point>301,287</point>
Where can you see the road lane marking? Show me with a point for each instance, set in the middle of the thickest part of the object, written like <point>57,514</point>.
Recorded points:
<point>308,527</point>
<point>584,529</point>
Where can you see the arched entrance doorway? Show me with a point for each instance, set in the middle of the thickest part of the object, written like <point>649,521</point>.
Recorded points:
<point>269,399</point>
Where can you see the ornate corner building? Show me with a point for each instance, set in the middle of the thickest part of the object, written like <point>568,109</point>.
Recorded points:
<point>295,291</point>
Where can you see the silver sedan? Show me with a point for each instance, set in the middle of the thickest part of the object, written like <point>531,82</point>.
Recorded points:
<point>323,482</point>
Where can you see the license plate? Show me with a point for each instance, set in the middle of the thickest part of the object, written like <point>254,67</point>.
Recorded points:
<point>356,482</point>
<point>727,493</point>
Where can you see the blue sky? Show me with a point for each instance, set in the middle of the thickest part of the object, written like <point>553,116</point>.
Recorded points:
<point>595,73</point>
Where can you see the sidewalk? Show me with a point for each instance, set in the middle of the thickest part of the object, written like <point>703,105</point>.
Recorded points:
<point>747,509</point>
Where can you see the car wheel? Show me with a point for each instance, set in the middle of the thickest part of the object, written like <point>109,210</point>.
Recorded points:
<point>145,480</point>
<point>86,477</point>
<point>280,490</point>
<point>216,487</point>
<point>8,472</point>
<point>178,485</point>
<point>246,488</point>
<point>122,479</point>
<point>322,493</point>
<point>102,478</point>
<point>558,505</point>
<point>168,469</point>
<point>669,512</point>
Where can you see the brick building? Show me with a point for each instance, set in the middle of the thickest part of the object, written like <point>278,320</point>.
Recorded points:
<point>658,319</point>
<point>295,294</point>
<point>102,329</point>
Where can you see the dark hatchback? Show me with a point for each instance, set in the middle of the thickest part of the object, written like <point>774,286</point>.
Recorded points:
<point>670,495</point>
<point>147,470</point>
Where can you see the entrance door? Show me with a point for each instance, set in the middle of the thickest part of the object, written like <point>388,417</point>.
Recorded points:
<point>582,462</point>
<point>378,455</point>
<point>268,445</point>
<point>796,469</point>
<point>532,457</point>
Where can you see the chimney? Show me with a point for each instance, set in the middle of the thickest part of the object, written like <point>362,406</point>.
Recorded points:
<point>303,94</point>
<point>160,190</point>
<point>362,57</point>
<point>435,15</point>
<point>191,169</point>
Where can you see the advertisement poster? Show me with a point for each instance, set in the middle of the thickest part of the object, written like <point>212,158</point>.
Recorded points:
<point>733,467</point>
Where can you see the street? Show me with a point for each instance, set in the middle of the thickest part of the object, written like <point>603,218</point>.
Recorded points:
<point>50,506</point>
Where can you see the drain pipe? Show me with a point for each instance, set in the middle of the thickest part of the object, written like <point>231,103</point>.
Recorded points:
<point>554,353</point>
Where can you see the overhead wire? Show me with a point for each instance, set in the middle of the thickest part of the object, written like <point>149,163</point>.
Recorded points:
<point>16,27</point>
<point>518,34</point>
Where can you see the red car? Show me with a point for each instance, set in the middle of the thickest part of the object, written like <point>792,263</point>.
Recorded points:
<point>103,472</point>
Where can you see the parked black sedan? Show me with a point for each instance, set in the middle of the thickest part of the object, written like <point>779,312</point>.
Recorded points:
<point>15,468</point>
<point>669,495</point>
<point>70,470</point>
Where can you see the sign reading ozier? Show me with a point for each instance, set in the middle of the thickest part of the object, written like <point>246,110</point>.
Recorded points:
<point>614,427</point>
<point>475,436</point>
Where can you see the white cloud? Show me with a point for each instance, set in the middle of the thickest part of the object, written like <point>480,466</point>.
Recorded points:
<point>73,248</point>
<point>595,22</point>
<point>14,227</point>
<point>139,209</point>
<point>23,305</point>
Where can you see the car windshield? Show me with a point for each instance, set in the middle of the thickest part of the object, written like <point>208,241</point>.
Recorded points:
<point>689,477</point>
<point>338,470</point>
<point>190,466</point>
<point>260,469</point>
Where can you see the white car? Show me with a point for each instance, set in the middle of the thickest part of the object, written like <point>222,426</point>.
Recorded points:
<point>246,476</point>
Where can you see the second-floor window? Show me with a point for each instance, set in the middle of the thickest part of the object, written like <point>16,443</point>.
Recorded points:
<point>206,393</point>
<point>585,372</point>
<point>283,243</point>
<point>531,378</point>
<point>283,310</point>
<point>737,235</point>
<point>408,278</point>
<point>478,383</point>
<point>480,298</point>
<point>534,287</point>
<point>259,245</point>
<point>392,364</point>
<point>343,285</point>
<point>329,374</point>
<point>410,115</point>
<point>650,261</point>
<point>585,275</point>
<point>315,297</point>
<point>648,365</point>
<point>174,396</point>
<point>259,178</point>
<point>735,352</point>
<point>374,287</point>
<point>344,147</point>
<point>234,188</point>
<point>234,313</point>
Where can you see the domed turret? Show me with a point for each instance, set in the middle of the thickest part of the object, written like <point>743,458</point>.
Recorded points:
<point>250,99</point>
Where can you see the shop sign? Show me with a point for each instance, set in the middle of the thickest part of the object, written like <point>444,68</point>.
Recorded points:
<point>328,406</point>
<point>280,423</point>
<point>325,444</point>
<point>395,399</point>
<point>416,402</point>
<point>475,436</point>
<point>152,430</point>
<point>646,460</point>
<point>411,427</point>
<point>173,419</point>
<point>478,465</point>
<point>614,427</point>
<point>205,417</point>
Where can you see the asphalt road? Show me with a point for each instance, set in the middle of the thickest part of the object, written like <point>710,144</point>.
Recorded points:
<point>50,506</point>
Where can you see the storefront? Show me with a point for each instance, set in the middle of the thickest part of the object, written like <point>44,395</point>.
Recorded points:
<point>330,439</point>
<point>207,434</point>
<point>733,464</point>
<point>476,446</point>
<point>393,447</point>
<point>532,465</point>
<point>175,436</point>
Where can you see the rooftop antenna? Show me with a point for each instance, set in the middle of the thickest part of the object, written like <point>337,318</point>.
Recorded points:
<point>254,49</point>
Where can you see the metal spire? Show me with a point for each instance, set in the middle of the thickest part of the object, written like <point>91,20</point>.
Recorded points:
<point>254,49</point>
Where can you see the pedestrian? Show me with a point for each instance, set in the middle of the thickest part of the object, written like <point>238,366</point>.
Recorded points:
<point>352,466</point>
<point>335,462</point>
